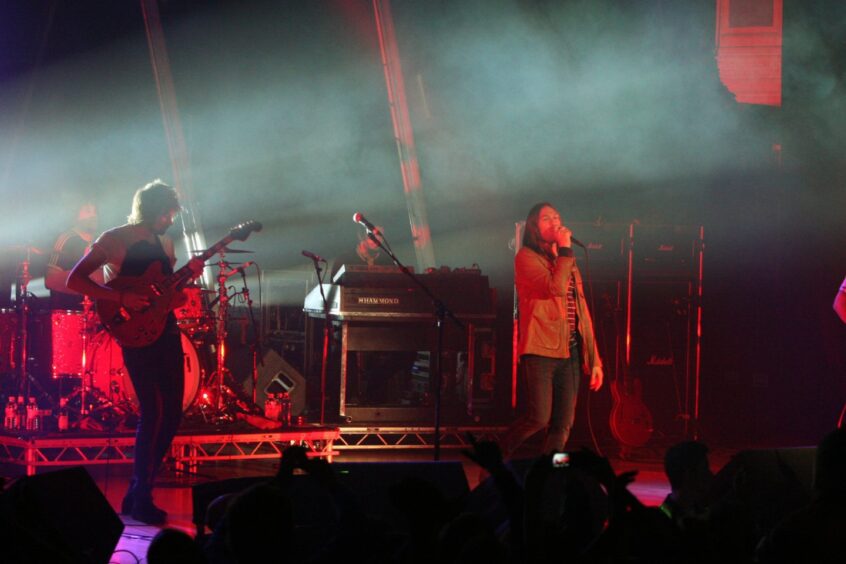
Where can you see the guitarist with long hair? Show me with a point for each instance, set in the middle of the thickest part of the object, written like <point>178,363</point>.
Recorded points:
<point>155,369</point>
<point>556,340</point>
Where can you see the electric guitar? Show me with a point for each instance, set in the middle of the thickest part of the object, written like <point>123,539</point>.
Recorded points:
<point>140,328</point>
<point>631,420</point>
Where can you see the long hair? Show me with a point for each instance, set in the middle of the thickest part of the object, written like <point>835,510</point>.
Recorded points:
<point>531,232</point>
<point>151,201</point>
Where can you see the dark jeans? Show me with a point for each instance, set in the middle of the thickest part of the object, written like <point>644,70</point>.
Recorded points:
<point>157,374</point>
<point>552,386</point>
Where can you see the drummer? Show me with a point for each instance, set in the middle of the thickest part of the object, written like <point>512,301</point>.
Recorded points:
<point>70,246</point>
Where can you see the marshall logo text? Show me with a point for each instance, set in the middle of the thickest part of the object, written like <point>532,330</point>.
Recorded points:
<point>656,360</point>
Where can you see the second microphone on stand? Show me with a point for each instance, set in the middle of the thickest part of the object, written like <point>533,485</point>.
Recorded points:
<point>313,256</point>
<point>240,269</point>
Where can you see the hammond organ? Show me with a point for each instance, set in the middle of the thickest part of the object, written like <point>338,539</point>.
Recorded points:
<point>385,325</point>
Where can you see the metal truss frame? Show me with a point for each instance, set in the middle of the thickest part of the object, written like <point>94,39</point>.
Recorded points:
<point>188,451</point>
<point>410,438</point>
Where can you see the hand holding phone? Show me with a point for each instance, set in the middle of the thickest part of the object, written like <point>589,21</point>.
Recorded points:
<point>560,459</point>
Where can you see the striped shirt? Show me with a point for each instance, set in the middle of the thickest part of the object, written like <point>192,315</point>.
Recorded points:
<point>571,310</point>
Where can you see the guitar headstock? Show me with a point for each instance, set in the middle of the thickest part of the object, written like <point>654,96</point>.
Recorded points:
<point>241,231</point>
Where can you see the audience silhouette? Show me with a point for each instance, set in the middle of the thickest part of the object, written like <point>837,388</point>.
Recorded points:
<point>579,512</point>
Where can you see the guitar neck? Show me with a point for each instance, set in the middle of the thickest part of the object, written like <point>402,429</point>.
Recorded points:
<point>184,274</point>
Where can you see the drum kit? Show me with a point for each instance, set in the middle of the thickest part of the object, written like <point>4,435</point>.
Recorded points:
<point>66,358</point>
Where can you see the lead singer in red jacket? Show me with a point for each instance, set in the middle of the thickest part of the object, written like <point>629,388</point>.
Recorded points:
<point>556,341</point>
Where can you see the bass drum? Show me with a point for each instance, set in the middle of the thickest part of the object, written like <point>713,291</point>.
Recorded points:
<point>111,377</point>
<point>8,337</point>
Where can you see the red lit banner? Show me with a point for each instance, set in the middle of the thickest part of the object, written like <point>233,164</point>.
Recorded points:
<point>749,40</point>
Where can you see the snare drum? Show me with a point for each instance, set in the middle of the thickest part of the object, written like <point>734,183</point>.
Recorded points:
<point>192,309</point>
<point>56,343</point>
<point>65,334</point>
<point>111,377</point>
<point>8,337</point>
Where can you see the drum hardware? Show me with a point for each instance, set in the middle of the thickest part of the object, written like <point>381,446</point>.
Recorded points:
<point>193,316</point>
<point>217,401</point>
<point>8,340</point>
<point>87,314</point>
<point>256,354</point>
<point>217,379</point>
<point>110,378</point>
<point>23,310</point>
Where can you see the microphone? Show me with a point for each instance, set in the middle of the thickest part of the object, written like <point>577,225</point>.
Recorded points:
<point>359,218</point>
<point>240,269</point>
<point>573,240</point>
<point>314,257</point>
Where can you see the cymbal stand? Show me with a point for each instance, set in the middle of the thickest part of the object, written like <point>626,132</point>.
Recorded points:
<point>22,304</point>
<point>86,382</point>
<point>217,378</point>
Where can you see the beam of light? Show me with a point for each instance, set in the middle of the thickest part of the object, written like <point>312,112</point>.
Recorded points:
<point>192,229</point>
<point>404,134</point>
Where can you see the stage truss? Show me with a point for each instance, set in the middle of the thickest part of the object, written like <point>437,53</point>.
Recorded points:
<point>187,450</point>
<point>384,438</point>
<point>190,450</point>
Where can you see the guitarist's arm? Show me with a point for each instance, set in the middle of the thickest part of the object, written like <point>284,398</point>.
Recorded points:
<point>79,280</point>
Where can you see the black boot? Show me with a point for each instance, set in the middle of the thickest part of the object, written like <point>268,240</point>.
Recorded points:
<point>144,510</point>
<point>128,499</point>
<point>127,503</point>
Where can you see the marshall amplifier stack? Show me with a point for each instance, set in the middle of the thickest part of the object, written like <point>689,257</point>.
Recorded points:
<point>665,324</point>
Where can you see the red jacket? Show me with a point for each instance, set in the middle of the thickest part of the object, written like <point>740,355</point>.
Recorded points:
<point>542,286</point>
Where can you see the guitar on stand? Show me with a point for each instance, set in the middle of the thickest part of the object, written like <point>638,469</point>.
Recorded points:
<point>630,419</point>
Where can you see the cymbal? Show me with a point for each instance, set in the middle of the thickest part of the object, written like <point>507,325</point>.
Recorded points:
<point>225,250</point>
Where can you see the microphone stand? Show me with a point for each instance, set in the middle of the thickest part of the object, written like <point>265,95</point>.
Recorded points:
<point>327,330</point>
<point>255,348</point>
<point>441,312</point>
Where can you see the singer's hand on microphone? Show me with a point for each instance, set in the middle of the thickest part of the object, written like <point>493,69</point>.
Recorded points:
<point>562,237</point>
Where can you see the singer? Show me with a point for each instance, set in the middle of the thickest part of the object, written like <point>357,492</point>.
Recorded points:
<point>556,340</point>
